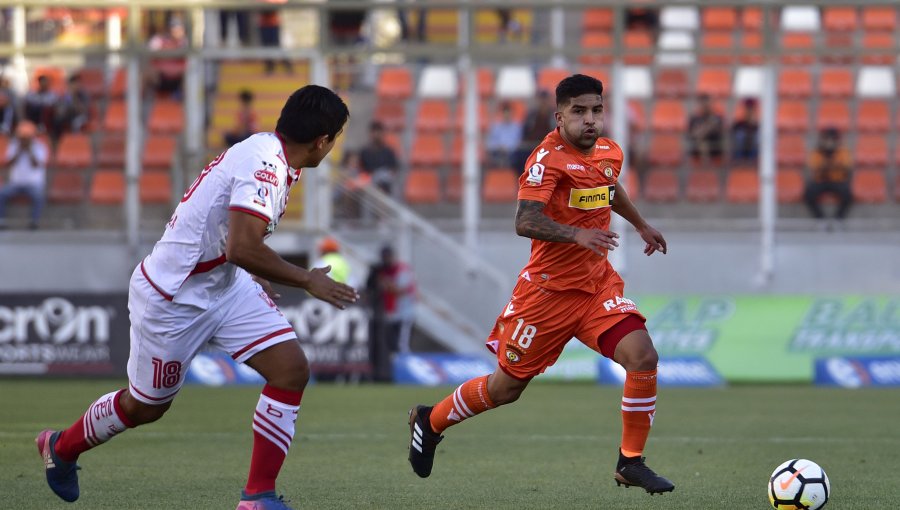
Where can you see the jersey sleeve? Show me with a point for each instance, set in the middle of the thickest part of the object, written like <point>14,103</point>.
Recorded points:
<point>254,188</point>
<point>542,172</point>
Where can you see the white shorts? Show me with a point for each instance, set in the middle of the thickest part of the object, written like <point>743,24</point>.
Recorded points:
<point>165,336</point>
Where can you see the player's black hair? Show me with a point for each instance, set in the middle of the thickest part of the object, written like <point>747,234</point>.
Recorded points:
<point>576,85</point>
<point>310,112</point>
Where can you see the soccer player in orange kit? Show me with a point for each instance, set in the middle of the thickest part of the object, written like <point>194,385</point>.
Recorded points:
<point>567,289</point>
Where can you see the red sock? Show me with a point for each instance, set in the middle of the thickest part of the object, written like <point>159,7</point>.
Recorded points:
<point>469,399</point>
<point>273,431</point>
<point>103,420</point>
<point>638,410</point>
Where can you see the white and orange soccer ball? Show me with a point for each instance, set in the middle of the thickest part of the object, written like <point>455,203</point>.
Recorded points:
<point>799,484</point>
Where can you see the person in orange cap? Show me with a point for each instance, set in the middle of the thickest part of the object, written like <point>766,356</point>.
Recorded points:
<point>330,255</point>
<point>26,159</point>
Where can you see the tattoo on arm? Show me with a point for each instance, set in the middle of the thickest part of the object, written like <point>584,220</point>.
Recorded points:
<point>532,222</point>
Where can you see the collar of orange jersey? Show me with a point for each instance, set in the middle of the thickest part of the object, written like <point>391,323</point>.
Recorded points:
<point>283,149</point>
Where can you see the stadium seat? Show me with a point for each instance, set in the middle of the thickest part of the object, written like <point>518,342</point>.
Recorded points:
<point>394,83</point>
<point>434,115</point>
<point>789,185</point>
<point>422,187</point>
<point>873,115</point>
<point>802,18</point>
<point>391,113</point>
<point>869,186</point>
<point>456,152</point>
<point>748,81</point>
<point>392,140</point>
<point>56,75</point>
<point>500,186</point>
<point>119,82</point>
<point>598,72</point>
<point>672,82</point>
<point>661,186</point>
<point>795,82</point>
<point>639,46</point>
<point>74,151</point>
<point>668,115</point>
<point>155,187</point>
<point>166,117</point>
<point>679,18</point>
<point>637,82</point>
<point>742,186</point>
<point>598,48</point>
<point>112,151</point>
<point>797,48</point>
<point>116,117</point>
<point>597,19</point>
<point>715,82</point>
<point>752,48</point>
<point>93,79</point>
<point>485,79</point>
<point>159,151</point>
<point>454,186</point>
<point>881,18</point>
<point>719,18</point>
<point>484,117</point>
<point>666,150</point>
<point>108,187</point>
<point>871,149</point>
<point>875,81</point>
<point>838,48</point>
<point>792,116</point>
<point>840,19</point>
<point>675,48</point>
<point>878,48</point>
<point>66,187</point>
<point>631,184</point>
<point>428,150</point>
<point>438,81</point>
<point>791,150</point>
<point>717,48</point>
<point>834,113</point>
<point>515,82</point>
<point>836,82</point>
<point>703,186</point>
<point>752,18</point>
<point>549,77</point>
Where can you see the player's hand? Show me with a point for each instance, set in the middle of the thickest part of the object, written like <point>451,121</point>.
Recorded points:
<point>321,286</point>
<point>596,240</point>
<point>654,240</point>
<point>267,287</point>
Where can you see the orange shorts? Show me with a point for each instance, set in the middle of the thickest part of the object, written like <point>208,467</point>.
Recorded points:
<point>536,325</point>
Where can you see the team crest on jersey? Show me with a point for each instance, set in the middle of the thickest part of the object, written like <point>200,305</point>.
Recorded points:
<point>535,174</point>
<point>607,166</point>
<point>591,198</point>
<point>512,357</point>
<point>266,176</point>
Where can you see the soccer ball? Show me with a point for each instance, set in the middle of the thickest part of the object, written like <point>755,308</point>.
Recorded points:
<point>799,484</point>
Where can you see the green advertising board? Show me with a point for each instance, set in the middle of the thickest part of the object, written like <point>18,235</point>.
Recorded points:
<point>758,338</point>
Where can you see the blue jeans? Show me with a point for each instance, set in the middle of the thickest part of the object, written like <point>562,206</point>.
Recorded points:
<point>35,193</point>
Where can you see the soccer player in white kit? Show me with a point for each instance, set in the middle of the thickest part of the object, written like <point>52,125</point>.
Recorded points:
<point>206,282</point>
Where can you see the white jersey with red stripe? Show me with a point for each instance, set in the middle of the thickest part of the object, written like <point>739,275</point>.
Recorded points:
<point>188,264</point>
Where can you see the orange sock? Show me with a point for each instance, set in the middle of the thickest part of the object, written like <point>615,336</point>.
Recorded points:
<point>469,399</point>
<point>638,410</point>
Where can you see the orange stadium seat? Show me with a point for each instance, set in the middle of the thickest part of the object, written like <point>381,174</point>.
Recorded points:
<point>717,48</point>
<point>454,186</point>
<point>423,186</point>
<point>752,18</point>
<point>485,79</point>
<point>112,151</point>
<point>598,72</point>
<point>792,116</point>
<point>638,118</point>
<point>391,113</point>
<point>598,48</point>
<point>661,186</point>
<point>834,113</point>
<point>456,151</point>
<point>500,185</point>
<point>715,82</point>
<point>672,82</point>
<point>791,149</point>
<point>742,186</point>
<point>789,185</point>
<point>836,82</point>
<point>484,117</point>
<point>394,83</point>
<point>869,186</point>
<point>795,82</point>
<point>881,18</point>
<point>668,115</point>
<point>66,187</point>
<point>871,149</point>
<point>434,115</point>
<point>115,116</point>
<point>108,187</point>
<point>159,151</point>
<point>74,151</point>
<point>797,47</point>
<point>840,19</point>
<point>666,150</point>
<point>751,48</point>
<point>166,117</point>
<point>631,184</point>
<point>57,76</point>
<point>549,77</point>
<point>873,115</point>
<point>119,82</point>
<point>703,186</point>
<point>639,45</point>
<point>719,18</point>
<point>93,79</point>
<point>597,19</point>
<point>878,48</point>
<point>837,45</point>
<point>156,187</point>
<point>392,140</point>
<point>427,150</point>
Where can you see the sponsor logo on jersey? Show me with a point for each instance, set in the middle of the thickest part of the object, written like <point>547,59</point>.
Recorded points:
<point>559,147</point>
<point>535,174</point>
<point>604,147</point>
<point>591,198</point>
<point>509,310</point>
<point>541,153</point>
<point>266,176</point>
<point>574,166</point>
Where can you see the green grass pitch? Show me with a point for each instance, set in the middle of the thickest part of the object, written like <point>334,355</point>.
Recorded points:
<point>554,448</point>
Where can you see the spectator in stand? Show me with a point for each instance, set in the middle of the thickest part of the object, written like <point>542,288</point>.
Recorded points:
<point>539,119</point>
<point>246,122</point>
<point>72,110</point>
<point>745,133</point>
<point>330,256</point>
<point>242,20</point>
<point>705,131</point>
<point>830,169</point>
<point>510,28</point>
<point>166,75</point>
<point>26,157</point>
<point>7,114</point>
<point>270,37</point>
<point>639,18</point>
<point>504,138</point>
<point>378,159</point>
<point>40,105</point>
<point>406,32</point>
<point>398,296</point>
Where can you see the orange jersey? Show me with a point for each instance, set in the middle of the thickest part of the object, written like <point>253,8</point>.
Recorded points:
<point>578,189</point>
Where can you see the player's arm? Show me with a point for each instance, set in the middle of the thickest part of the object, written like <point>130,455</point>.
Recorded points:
<point>624,207</point>
<point>531,222</point>
<point>245,248</point>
